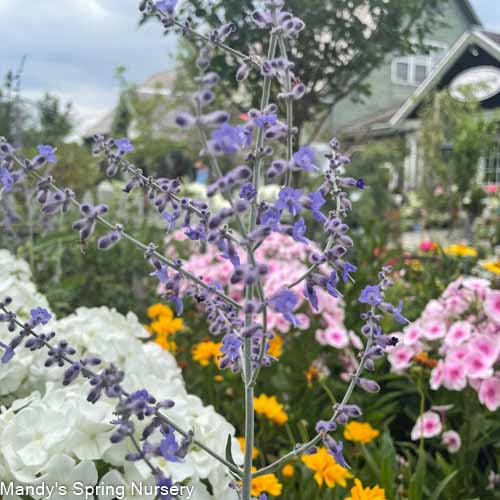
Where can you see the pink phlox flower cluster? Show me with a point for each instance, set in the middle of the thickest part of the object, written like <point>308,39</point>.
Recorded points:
<point>287,261</point>
<point>461,330</point>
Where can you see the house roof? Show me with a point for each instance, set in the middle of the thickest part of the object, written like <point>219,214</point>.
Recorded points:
<point>488,41</point>
<point>471,13</point>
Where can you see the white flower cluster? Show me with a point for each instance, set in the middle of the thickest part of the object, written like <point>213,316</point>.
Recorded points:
<point>50,434</point>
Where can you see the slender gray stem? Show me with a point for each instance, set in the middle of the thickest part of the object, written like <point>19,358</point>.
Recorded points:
<point>187,274</point>
<point>316,439</point>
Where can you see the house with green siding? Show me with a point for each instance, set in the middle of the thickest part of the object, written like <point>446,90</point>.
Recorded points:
<point>460,50</point>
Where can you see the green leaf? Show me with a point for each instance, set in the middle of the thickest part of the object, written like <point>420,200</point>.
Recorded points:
<point>442,485</point>
<point>229,454</point>
<point>416,491</point>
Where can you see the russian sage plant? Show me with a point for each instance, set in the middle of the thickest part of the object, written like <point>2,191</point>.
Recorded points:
<point>268,150</point>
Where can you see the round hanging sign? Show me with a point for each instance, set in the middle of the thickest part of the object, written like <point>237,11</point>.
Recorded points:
<point>476,84</point>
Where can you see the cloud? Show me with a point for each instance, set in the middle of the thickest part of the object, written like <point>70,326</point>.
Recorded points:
<point>73,48</point>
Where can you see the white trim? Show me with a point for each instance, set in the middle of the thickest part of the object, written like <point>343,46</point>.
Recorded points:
<point>450,58</point>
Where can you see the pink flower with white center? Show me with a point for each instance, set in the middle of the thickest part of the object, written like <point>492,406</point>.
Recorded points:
<point>492,305</point>
<point>433,310</point>
<point>355,341</point>
<point>304,320</point>
<point>437,376</point>
<point>400,358</point>
<point>455,305</point>
<point>489,393</point>
<point>457,353</point>
<point>458,333</point>
<point>428,425</point>
<point>477,366</point>
<point>434,330</point>
<point>335,337</point>
<point>412,334</point>
<point>486,346</point>
<point>455,376</point>
<point>452,441</point>
<point>477,285</point>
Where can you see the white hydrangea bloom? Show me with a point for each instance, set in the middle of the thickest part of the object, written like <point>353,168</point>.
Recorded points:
<point>56,434</point>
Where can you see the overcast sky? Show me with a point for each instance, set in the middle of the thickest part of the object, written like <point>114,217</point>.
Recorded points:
<point>74,46</point>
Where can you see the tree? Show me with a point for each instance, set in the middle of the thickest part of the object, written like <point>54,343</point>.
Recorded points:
<point>345,42</point>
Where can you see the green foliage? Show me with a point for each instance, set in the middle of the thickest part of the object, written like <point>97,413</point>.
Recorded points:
<point>339,50</point>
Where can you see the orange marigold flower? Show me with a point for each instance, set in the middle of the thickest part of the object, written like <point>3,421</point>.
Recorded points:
<point>288,470</point>
<point>157,310</point>
<point>268,483</point>
<point>255,451</point>
<point>361,432</point>
<point>204,352</point>
<point>270,408</point>
<point>275,346</point>
<point>358,492</point>
<point>326,469</point>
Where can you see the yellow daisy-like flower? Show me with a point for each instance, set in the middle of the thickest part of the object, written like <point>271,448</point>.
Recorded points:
<point>492,267</point>
<point>270,408</point>
<point>268,483</point>
<point>275,346</point>
<point>204,352</point>
<point>255,451</point>
<point>460,250</point>
<point>157,310</point>
<point>326,469</point>
<point>166,326</point>
<point>361,432</point>
<point>288,470</point>
<point>358,492</point>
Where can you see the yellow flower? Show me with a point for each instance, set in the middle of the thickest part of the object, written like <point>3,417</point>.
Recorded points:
<point>275,346</point>
<point>205,351</point>
<point>165,343</point>
<point>270,408</point>
<point>157,310</point>
<point>288,470</point>
<point>460,250</point>
<point>360,493</point>
<point>166,326</point>
<point>255,451</point>
<point>326,469</point>
<point>362,432</point>
<point>219,378</point>
<point>268,483</point>
<point>492,267</point>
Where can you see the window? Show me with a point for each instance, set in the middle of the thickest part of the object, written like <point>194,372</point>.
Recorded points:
<point>414,69</point>
<point>492,166</point>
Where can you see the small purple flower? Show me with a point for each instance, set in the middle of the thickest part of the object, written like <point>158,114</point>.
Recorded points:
<point>347,269</point>
<point>8,353</point>
<point>303,159</point>
<point>336,450</point>
<point>288,199</point>
<point>316,201</point>
<point>325,426</point>
<point>370,295</point>
<point>271,217</point>
<point>299,231</point>
<point>227,139</point>
<point>169,446</point>
<point>285,302</point>
<point>166,6</point>
<point>398,316</point>
<point>265,120</point>
<point>124,145</point>
<point>40,316</point>
<point>47,152</point>
<point>6,180</point>
<point>311,295</point>
<point>331,284</point>
<point>247,191</point>
<point>360,183</point>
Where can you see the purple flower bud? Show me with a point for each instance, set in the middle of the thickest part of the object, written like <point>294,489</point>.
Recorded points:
<point>215,118</point>
<point>325,426</point>
<point>109,240</point>
<point>298,91</point>
<point>243,72</point>
<point>185,120</point>
<point>368,385</point>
